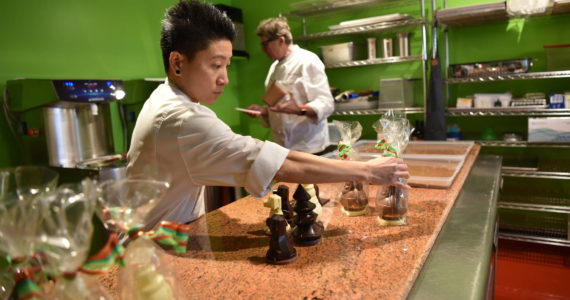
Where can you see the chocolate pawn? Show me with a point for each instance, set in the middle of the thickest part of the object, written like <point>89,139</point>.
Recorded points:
<point>280,250</point>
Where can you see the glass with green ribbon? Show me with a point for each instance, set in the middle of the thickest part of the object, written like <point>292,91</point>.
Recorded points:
<point>21,192</point>
<point>145,273</point>
<point>394,131</point>
<point>353,195</point>
<point>66,232</point>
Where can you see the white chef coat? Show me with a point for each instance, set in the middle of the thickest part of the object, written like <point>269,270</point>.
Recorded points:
<point>304,74</point>
<point>190,147</point>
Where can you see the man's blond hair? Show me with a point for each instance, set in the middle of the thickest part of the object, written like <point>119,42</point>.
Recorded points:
<point>274,28</point>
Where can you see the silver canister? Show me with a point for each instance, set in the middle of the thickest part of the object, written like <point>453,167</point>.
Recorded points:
<point>76,132</point>
<point>387,48</point>
<point>371,48</point>
<point>404,44</point>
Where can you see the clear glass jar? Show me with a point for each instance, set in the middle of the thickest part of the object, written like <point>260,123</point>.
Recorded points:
<point>392,204</point>
<point>354,198</point>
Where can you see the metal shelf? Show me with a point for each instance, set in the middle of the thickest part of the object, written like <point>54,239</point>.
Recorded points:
<point>535,207</point>
<point>378,61</point>
<point>537,174</point>
<point>361,29</point>
<point>539,197</point>
<point>520,144</point>
<point>534,239</point>
<point>510,111</point>
<point>378,111</point>
<point>307,8</point>
<point>519,76</point>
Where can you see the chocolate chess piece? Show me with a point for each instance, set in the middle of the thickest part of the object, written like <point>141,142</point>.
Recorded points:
<point>308,231</point>
<point>283,192</point>
<point>274,203</point>
<point>280,250</point>
<point>312,191</point>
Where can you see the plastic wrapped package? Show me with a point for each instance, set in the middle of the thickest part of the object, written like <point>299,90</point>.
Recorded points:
<point>525,8</point>
<point>353,195</point>
<point>394,132</point>
<point>21,192</point>
<point>65,237</point>
<point>145,276</point>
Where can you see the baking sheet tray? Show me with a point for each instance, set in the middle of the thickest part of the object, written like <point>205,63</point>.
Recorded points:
<point>430,171</point>
<point>419,149</point>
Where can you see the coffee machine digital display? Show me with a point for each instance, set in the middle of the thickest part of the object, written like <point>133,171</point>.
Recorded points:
<point>89,90</point>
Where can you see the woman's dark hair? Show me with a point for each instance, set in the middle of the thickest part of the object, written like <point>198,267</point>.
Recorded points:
<point>190,26</point>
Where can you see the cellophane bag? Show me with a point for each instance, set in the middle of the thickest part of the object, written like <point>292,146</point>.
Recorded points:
<point>393,130</point>
<point>146,274</point>
<point>21,192</point>
<point>353,195</point>
<point>66,231</point>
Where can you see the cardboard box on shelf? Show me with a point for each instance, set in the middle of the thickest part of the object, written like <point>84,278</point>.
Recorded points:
<point>549,130</point>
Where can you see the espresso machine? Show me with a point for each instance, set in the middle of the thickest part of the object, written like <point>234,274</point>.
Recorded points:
<point>74,126</point>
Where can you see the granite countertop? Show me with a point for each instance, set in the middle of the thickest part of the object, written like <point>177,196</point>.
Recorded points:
<point>356,258</point>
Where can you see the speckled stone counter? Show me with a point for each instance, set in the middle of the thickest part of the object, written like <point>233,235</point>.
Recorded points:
<point>356,258</point>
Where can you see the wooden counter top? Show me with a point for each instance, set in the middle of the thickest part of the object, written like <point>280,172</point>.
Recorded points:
<point>356,258</point>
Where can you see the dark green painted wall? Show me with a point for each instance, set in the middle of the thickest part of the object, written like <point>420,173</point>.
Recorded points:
<point>85,39</point>
<point>119,39</point>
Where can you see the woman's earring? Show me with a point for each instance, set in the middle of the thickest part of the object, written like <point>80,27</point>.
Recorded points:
<point>177,71</point>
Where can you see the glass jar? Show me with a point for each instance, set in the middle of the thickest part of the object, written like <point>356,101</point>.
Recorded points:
<point>392,204</point>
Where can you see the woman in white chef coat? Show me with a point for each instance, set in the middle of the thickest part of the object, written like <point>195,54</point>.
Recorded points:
<point>300,123</point>
<point>190,147</point>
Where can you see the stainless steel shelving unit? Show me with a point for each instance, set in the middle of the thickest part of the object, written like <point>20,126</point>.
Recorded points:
<point>378,61</point>
<point>536,207</point>
<point>378,111</point>
<point>312,7</point>
<point>510,111</point>
<point>520,144</point>
<point>527,212</point>
<point>518,76</point>
<point>307,8</point>
<point>538,174</point>
<point>534,239</point>
<point>376,27</point>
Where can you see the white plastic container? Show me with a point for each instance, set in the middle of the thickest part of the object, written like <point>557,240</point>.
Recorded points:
<point>337,53</point>
<point>489,100</point>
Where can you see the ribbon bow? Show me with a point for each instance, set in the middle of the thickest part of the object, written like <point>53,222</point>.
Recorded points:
<point>103,260</point>
<point>386,148</point>
<point>167,233</point>
<point>26,286</point>
<point>26,278</point>
<point>343,150</point>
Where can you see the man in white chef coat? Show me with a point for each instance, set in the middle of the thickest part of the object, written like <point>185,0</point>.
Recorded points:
<point>300,122</point>
<point>188,145</point>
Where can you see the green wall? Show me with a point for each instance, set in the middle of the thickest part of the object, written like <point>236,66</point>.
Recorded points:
<point>120,39</point>
<point>252,74</point>
<point>85,39</point>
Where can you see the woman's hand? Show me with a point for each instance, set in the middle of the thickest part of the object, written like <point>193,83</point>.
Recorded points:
<point>261,109</point>
<point>287,107</point>
<point>387,170</point>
